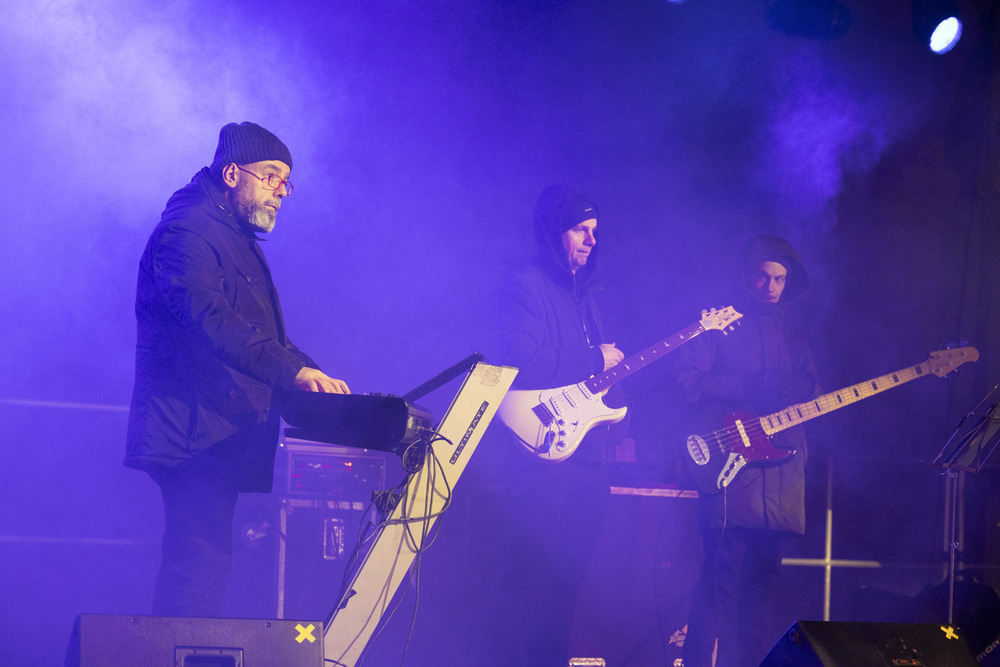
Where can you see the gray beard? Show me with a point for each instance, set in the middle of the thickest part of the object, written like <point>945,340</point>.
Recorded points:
<point>262,218</point>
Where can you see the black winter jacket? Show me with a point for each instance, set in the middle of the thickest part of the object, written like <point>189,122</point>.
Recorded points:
<point>211,356</point>
<point>548,322</point>
<point>761,367</point>
<point>541,315</point>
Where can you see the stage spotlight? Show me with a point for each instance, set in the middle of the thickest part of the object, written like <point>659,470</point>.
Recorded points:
<point>815,19</point>
<point>936,24</point>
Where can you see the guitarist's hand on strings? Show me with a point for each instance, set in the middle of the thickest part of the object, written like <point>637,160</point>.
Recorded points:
<point>612,355</point>
<point>313,379</point>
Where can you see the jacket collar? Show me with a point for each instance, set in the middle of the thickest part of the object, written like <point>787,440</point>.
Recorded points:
<point>203,185</point>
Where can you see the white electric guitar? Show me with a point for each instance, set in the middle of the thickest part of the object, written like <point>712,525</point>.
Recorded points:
<point>551,423</point>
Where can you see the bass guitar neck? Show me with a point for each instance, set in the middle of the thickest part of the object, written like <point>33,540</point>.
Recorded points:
<point>746,439</point>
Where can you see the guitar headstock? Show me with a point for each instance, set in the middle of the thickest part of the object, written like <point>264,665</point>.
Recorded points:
<point>722,319</point>
<point>943,362</point>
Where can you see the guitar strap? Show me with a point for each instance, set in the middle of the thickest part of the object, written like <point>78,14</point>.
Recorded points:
<point>591,330</point>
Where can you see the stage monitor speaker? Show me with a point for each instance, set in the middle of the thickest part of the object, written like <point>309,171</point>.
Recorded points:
<point>101,640</point>
<point>844,644</point>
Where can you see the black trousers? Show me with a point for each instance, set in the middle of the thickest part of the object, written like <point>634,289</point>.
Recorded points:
<point>558,512</point>
<point>199,501</point>
<point>734,598</point>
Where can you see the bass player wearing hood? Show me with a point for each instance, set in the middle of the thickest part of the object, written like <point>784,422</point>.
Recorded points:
<point>761,367</point>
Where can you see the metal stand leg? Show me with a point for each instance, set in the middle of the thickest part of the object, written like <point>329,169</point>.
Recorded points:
<point>954,483</point>
<point>282,547</point>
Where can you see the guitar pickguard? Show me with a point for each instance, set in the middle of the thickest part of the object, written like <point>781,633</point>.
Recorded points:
<point>552,423</point>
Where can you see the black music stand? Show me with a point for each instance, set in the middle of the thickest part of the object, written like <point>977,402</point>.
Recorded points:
<point>968,450</point>
<point>976,437</point>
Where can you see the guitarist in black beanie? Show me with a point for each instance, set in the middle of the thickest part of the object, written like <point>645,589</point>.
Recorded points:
<point>761,367</point>
<point>550,328</point>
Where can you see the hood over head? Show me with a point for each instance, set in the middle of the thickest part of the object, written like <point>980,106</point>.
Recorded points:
<point>765,248</point>
<point>559,209</point>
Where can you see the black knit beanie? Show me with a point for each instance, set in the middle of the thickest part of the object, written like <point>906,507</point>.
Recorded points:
<point>246,143</point>
<point>559,209</point>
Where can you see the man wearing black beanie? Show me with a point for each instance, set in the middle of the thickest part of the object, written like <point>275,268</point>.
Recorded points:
<point>212,361</point>
<point>550,328</point>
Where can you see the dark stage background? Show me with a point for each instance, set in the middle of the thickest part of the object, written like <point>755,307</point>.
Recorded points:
<point>422,134</point>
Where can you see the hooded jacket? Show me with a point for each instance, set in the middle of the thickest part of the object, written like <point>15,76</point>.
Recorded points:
<point>212,356</point>
<point>548,322</point>
<point>761,367</point>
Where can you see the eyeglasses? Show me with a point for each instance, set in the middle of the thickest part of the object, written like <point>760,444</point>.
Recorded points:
<point>271,181</point>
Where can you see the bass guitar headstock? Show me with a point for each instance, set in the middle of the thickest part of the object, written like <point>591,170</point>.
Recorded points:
<point>943,362</point>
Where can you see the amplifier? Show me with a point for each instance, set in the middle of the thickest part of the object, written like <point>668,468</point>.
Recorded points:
<point>319,538</point>
<point>308,527</point>
<point>307,469</point>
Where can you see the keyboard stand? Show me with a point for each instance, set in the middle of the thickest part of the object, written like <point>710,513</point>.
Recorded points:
<point>400,537</point>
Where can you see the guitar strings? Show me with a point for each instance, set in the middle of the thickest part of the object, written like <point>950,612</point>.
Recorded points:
<point>728,439</point>
<point>562,401</point>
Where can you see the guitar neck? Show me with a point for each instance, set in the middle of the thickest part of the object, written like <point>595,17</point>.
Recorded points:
<point>803,412</point>
<point>603,381</point>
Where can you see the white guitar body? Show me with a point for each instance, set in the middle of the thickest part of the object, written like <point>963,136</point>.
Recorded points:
<point>551,423</point>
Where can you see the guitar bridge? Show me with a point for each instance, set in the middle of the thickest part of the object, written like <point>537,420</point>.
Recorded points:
<point>543,414</point>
